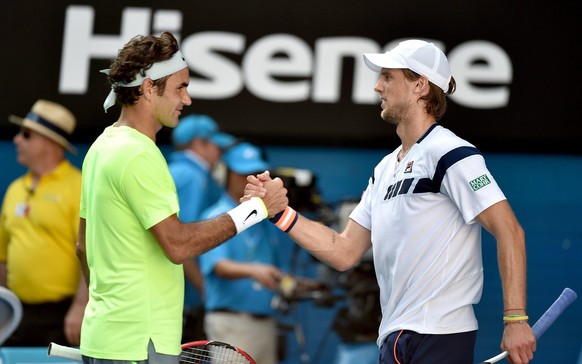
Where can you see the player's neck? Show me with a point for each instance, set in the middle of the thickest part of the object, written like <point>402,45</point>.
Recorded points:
<point>137,118</point>
<point>410,133</point>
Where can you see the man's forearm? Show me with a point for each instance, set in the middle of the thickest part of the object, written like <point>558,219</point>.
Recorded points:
<point>512,267</point>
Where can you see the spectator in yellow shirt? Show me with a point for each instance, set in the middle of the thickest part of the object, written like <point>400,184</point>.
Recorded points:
<point>39,228</point>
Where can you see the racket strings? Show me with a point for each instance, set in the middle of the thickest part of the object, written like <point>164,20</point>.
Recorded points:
<point>212,355</point>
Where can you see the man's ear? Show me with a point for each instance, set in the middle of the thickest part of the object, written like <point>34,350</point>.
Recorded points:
<point>422,85</point>
<point>148,88</point>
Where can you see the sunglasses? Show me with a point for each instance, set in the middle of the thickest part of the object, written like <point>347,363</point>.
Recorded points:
<point>26,134</point>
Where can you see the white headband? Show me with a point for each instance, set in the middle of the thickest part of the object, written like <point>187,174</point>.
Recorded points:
<point>156,71</point>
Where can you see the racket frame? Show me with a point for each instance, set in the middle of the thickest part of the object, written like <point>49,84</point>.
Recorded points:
<point>66,352</point>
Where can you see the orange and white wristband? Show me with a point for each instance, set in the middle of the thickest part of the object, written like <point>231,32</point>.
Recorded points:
<point>248,213</point>
<point>286,219</point>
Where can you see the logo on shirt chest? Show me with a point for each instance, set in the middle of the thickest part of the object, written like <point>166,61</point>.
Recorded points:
<point>401,187</point>
<point>408,168</point>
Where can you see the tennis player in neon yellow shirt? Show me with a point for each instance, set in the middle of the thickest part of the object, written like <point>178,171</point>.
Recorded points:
<point>131,242</point>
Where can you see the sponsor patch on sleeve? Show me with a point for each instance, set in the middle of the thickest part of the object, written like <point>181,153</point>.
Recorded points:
<point>479,182</point>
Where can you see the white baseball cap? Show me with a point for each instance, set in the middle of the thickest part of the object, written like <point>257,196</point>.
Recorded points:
<point>422,57</point>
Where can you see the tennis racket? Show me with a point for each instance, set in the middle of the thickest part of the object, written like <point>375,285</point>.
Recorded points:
<point>208,351</point>
<point>196,352</point>
<point>539,328</point>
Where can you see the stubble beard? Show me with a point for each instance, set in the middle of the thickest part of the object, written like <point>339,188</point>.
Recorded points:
<point>388,117</point>
<point>395,113</point>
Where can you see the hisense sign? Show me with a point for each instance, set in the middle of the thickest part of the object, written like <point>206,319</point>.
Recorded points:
<point>292,72</point>
<point>279,67</point>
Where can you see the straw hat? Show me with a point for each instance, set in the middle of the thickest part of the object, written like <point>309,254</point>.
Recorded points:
<point>50,119</point>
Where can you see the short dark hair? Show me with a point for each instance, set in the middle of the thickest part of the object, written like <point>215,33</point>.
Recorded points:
<point>137,56</point>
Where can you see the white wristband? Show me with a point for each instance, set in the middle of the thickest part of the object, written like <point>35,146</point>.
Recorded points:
<point>248,213</point>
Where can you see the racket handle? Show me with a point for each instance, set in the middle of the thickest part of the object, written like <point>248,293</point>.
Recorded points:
<point>548,318</point>
<point>60,351</point>
<point>543,324</point>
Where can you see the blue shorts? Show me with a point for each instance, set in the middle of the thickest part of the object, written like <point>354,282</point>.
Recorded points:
<point>409,347</point>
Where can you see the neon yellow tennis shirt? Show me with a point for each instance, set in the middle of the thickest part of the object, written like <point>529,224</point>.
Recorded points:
<point>135,293</point>
<point>38,234</point>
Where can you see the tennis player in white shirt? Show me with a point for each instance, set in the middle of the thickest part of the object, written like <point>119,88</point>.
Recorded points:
<point>421,214</point>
